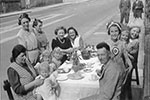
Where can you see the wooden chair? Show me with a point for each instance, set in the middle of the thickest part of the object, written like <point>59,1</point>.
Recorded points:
<point>136,74</point>
<point>7,88</point>
<point>147,98</point>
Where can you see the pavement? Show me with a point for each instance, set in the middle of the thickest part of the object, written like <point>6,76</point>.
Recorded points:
<point>35,9</point>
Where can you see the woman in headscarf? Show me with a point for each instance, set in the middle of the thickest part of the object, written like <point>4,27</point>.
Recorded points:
<point>21,75</point>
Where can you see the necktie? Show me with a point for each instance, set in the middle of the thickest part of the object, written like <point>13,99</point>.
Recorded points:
<point>101,72</point>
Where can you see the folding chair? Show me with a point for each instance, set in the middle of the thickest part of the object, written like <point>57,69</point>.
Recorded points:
<point>7,88</point>
<point>136,74</point>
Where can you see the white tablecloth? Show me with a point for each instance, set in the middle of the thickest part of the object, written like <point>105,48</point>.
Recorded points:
<point>75,89</point>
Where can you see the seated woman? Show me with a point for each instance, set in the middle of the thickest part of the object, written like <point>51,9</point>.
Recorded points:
<point>62,43</point>
<point>42,40</point>
<point>75,38</point>
<point>22,76</point>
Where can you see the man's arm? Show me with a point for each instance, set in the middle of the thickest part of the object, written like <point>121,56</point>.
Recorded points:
<point>109,88</point>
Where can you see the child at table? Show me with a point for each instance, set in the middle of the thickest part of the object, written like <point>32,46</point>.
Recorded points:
<point>46,56</point>
<point>47,91</point>
<point>56,55</point>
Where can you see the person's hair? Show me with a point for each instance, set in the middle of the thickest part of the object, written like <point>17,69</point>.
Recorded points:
<point>127,31</point>
<point>72,28</point>
<point>112,23</point>
<point>103,45</point>
<point>56,51</point>
<point>44,65</point>
<point>24,15</point>
<point>60,28</point>
<point>36,21</point>
<point>135,27</point>
<point>16,51</point>
<point>45,53</point>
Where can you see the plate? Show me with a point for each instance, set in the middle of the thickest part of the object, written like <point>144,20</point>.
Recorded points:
<point>68,62</point>
<point>75,76</point>
<point>61,71</point>
<point>62,78</point>
<point>87,70</point>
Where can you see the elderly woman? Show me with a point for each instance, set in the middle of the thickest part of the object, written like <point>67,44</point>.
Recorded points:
<point>75,38</point>
<point>21,76</point>
<point>43,42</point>
<point>27,38</point>
<point>62,43</point>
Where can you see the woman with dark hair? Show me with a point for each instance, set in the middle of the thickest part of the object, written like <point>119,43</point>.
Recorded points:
<point>27,38</point>
<point>43,42</point>
<point>75,38</point>
<point>117,47</point>
<point>21,75</point>
<point>62,43</point>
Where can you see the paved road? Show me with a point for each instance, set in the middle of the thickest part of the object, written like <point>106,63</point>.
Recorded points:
<point>89,18</point>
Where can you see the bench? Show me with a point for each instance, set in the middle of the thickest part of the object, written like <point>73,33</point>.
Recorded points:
<point>7,88</point>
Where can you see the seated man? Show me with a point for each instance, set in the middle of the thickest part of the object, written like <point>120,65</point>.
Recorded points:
<point>111,76</point>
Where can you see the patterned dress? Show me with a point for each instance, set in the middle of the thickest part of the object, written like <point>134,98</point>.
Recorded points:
<point>117,51</point>
<point>18,77</point>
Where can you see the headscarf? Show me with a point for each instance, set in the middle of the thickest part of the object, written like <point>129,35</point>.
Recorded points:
<point>16,51</point>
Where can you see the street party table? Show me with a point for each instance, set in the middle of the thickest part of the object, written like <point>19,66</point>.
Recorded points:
<point>73,89</point>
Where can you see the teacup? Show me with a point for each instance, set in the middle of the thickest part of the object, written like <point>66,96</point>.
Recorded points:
<point>94,77</point>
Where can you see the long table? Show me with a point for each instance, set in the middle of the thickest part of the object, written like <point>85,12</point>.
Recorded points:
<point>76,89</point>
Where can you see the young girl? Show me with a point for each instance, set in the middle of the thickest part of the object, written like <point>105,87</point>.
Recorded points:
<point>125,36</point>
<point>43,42</point>
<point>57,56</point>
<point>47,91</point>
<point>126,89</point>
<point>45,56</point>
<point>133,46</point>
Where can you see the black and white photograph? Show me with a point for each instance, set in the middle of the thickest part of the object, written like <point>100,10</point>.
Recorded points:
<point>74,49</point>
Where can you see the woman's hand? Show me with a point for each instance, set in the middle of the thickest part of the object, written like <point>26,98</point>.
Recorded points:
<point>38,82</point>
